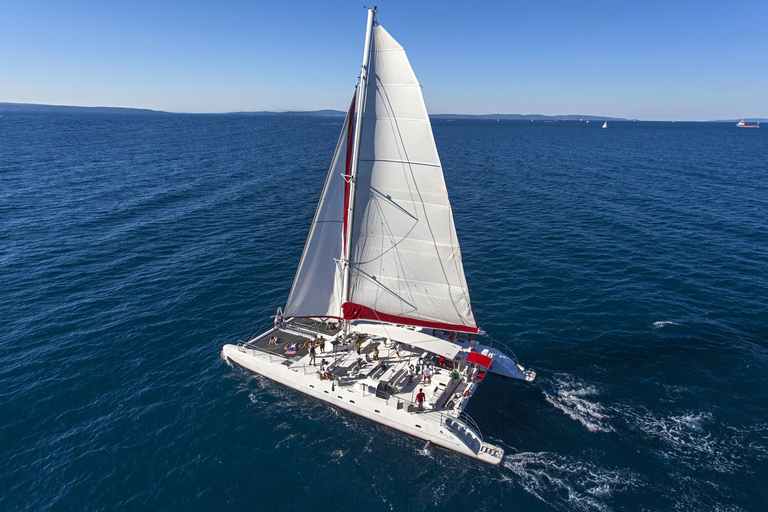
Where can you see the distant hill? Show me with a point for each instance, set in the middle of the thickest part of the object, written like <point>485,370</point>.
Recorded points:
<point>64,109</point>
<point>527,117</point>
<point>307,113</point>
<point>746,120</point>
<point>32,107</point>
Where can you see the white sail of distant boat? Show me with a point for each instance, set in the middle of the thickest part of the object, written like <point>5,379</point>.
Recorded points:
<point>605,124</point>
<point>382,263</point>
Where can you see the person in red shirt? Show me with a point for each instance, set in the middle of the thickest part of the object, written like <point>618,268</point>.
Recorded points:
<point>420,396</point>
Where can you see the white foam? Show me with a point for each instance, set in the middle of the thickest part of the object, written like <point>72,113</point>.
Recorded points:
<point>585,486</point>
<point>424,451</point>
<point>659,325</point>
<point>689,439</point>
<point>284,440</point>
<point>570,397</point>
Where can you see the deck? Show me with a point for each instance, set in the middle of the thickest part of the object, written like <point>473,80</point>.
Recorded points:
<point>390,367</point>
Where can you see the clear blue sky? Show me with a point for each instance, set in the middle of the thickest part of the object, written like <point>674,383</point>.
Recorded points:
<point>646,59</point>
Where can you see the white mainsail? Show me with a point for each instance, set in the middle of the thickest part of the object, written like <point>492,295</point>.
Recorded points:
<point>405,262</point>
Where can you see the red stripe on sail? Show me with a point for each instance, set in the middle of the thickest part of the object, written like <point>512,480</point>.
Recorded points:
<point>348,166</point>
<point>354,311</point>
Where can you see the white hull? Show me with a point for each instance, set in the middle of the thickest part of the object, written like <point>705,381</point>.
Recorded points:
<point>448,428</point>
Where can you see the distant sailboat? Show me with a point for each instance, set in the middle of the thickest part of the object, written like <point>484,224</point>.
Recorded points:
<point>605,124</point>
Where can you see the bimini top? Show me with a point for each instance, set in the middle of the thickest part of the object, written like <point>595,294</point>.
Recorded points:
<point>415,339</point>
<point>480,359</point>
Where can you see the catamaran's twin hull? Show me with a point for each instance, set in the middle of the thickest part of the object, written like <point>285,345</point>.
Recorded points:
<point>436,427</point>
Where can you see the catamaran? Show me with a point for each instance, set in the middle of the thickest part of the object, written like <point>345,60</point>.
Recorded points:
<point>378,321</point>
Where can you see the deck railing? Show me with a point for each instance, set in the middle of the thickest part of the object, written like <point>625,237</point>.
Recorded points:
<point>244,346</point>
<point>501,347</point>
<point>470,423</point>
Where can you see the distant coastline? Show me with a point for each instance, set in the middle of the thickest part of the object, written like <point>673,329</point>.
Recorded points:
<point>65,109</point>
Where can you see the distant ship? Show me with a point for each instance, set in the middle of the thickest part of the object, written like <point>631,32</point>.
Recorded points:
<point>742,124</point>
<point>605,124</point>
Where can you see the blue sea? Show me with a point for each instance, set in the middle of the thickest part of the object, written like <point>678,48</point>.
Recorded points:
<point>628,266</point>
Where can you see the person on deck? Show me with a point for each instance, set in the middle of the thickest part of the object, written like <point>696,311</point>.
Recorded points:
<point>428,375</point>
<point>272,340</point>
<point>312,355</point>
<point>375,353</point>
<point>359,344</point>
<point>420,396</point>
<point>326,369</point>
<point>410,373</point>
<point>397,350</point>
<point>321,344</point>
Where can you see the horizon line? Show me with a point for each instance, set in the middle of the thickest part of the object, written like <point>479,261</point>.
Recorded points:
<point>4,107</point>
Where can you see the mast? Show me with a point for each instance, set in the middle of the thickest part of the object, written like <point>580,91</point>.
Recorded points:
<point>355,152</point>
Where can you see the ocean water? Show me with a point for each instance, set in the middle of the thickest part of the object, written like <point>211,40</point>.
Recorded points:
<point>628,266</point>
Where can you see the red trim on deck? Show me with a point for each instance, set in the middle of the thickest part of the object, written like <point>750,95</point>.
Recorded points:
<point>354,311</point>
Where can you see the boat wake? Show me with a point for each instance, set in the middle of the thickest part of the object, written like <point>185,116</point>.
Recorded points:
<point>698,441</point>
<point>571,397</point>
<point>568,484</point>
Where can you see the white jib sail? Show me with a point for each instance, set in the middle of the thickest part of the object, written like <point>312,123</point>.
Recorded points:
<point>316,289</point>
<point>406,262</point>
